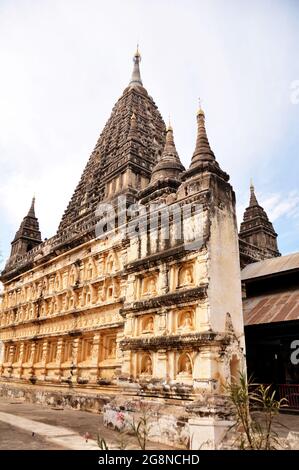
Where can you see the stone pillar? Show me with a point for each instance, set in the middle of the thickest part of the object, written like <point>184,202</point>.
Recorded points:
<point>126,364</point>
<point>74,365</point>
<point>171,365</point>
<point>100,267</point>
<point>94,294</point>
<point>162,319</point>
<point>164,279</point>
<point>2,347</point>
<point>170,321</point>
<point>11,353</point>
<point>21,359</point>
<point>205,370</point>
<point>9,368</point>
<point>94,361</point>
<point>118,353</point>
<point>161,364</point>
<point>128,327</point>
<point>43,370</point>
<point>31,360</point>
<point>59,356</point>
<point>131,287</point>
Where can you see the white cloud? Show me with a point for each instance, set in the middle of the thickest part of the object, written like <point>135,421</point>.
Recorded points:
<point>280,205</point>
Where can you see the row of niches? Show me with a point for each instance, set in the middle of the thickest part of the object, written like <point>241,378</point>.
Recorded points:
<point>63,279</point>
<point>177,321</point>
<point>177,277</point>
<point>97,349</point>
<point>73,299</point>
<point>179,366</point>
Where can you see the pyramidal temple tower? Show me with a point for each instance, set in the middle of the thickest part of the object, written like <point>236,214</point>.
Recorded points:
<point>123,158</point>
<point>147,313</point>
<point>257,230</point>
<point>28,236</point>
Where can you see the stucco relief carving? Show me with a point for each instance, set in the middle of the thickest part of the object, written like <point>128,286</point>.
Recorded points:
<point>109,347</point>
<point>74,275</point>
<point>186,320</point>
<point>146,365</point>
<point>185,276</point>
<point>184,366</point>
<point>147,324</point>
<point>112,263</point>
<point>149,286</point>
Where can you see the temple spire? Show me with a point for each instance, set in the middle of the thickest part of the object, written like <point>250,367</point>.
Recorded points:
<point>31,212</point>
<point>169,165</point>
<point>27,237</point>
<point>136,77</point>
<point>203,159</point>
<point>169,142</point>
<point>202,150</point>
<point>256,228</point>
<point>253,200</point>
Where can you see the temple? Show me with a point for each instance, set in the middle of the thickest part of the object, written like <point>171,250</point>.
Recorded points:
<point>143,304</point>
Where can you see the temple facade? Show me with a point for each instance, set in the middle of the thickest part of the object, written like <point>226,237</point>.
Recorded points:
<point>138,295</point>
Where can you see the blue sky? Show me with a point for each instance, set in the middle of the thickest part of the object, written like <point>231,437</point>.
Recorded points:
<point>65,63</point>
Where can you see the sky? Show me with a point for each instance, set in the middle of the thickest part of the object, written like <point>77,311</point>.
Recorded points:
<point>64,63</point>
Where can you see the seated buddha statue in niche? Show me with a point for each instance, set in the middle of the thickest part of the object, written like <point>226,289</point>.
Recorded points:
<point>148,325</point>
<point>150,286</point>
<point>146,366</point>
<point>185,366</point>
<point>185,276</point>
<point>186,322</point>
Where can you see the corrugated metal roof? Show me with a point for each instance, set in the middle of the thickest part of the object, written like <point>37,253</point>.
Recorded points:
<point>272,308</point>
<point>270,266</point>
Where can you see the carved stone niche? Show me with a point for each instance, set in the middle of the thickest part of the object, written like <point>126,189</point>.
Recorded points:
<point>108,350</point>
<point>45,287</point>
<point>65,277</point>
<point>89,270</point>
<point>88,297</point>
<point>185,276</point>
<point>149,286</point>
<point>111,289</point>
<point>145,365</point>
<point>147,324</point>
<point>85,349</point>
<point>74,275</point>
<point>184,367</point>
<point>112,263</point>
<point>72,300</point>
<point>185,321</point>
<point>57,282</point>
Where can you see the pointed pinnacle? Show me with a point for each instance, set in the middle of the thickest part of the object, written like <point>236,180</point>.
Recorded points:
<point>253,199</point>
<point>136,77</point>
<point>31,212</point>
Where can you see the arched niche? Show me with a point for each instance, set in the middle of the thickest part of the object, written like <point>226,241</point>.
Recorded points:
<point>146,365</point>
<point>185,320</point>
<point>184,365</point>
<point>185,276</point>
<point>147,324</point>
